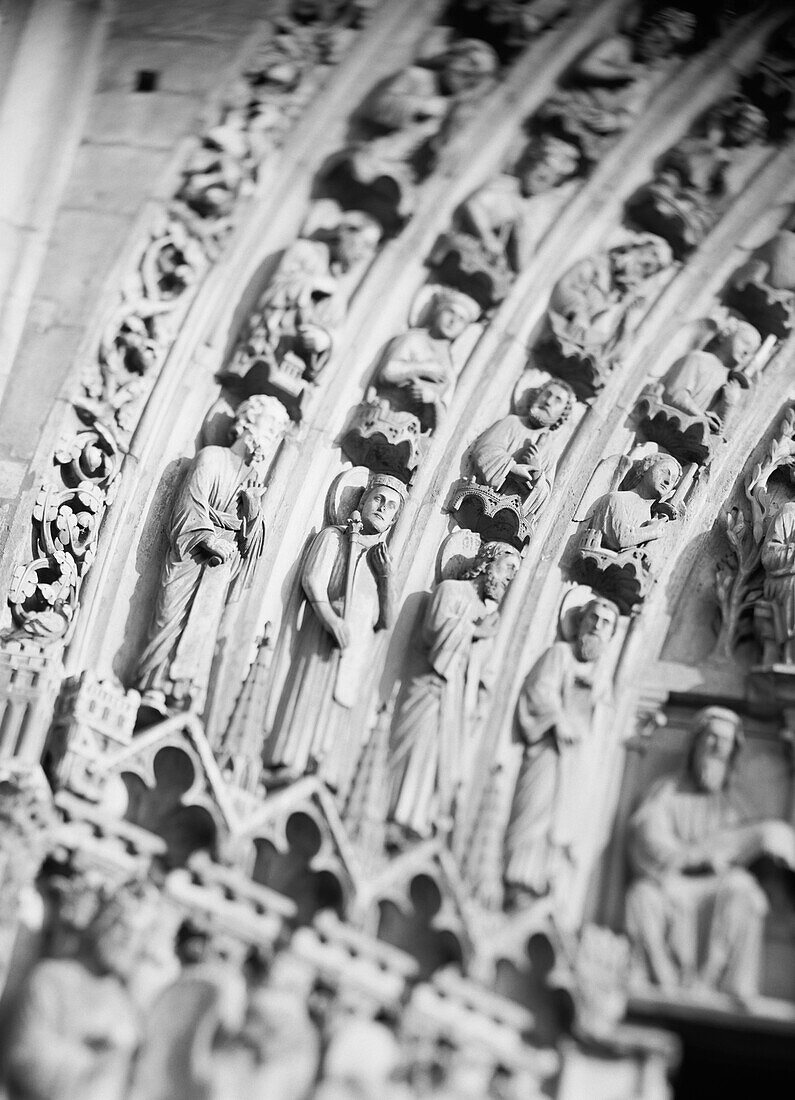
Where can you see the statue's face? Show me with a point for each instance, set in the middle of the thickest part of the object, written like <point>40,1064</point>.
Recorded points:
<point>745,344</point>
<point>449,321</point>
<point>379,509</point>
<point>117,946</point>
<point>661,477</point>
<point>547,171</point>
<point>712,755</point>
<point>356,242</point>
<point>498,576</point>
<point>465,70</point>
<point>597,626</point>
<point>549,404</point>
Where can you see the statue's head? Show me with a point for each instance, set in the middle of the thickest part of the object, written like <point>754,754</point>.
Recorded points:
<point>597,625</point>
<point>260,422</point>
<point>740,342</point>
<point>452,312</point>
<point>718,737</point>
<point>494,568</point>
<point>551,405</point>
<point>468,64</point>
<point>640,260</point>
<point>381,503</point>
<point>654,476</point>
<point>116,935</point>
<point>742,122</point>
<point>356,239</point>
<point>663,33</point>
<point>547,162</point>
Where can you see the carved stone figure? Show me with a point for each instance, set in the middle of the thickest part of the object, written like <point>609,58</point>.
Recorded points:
<point>346,578</point>
<point>408,117</point>
<point>514,466</point>
<point>763,289</point>
<point>361,1060</point>
<point>215,537</point>
<point>623,530</point>
<point>612,82</point>
<point>774,614</point>
<point>699,393</point>
<point>508,24</point>
<point>499,226</point>
<point>411,389</point>
<point>690,843</point>
<point>562,700</point>
<point>433,729</point>
<point>696,176</point>
<point>75,1029</point>
<point>596,306</point>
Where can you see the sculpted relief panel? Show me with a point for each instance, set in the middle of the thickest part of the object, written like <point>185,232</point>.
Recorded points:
<point>446,560</point>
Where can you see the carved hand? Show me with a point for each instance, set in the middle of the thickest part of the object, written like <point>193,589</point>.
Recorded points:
<point>381,560</point>
<point>338,629</point>
<point>250,504</point>
<point>488,625</point>
<point>218,551</point>
<point>566,734</point>
<point>524,472</point>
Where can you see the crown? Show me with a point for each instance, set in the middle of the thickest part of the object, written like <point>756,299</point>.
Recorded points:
<point>389,482</point>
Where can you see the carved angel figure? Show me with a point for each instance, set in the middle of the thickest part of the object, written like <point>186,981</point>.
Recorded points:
<point>215,536</point>
<point>346,578</point>
<point>684,200</point>
<point>500,225</point>
<point>596,305</point>
<point>562,700</point>
<point>690,844</point>
<point>409,116</point>
<point>431,739</point>
<point>763,289</point>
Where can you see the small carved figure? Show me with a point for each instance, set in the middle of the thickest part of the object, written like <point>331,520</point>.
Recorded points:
<point>411,389</point>
<point>690,843</point>
<point>508,24</point>
<point>763,289</point>
<point>409,116</point>
<point>624,528</point>
<point>562,700</point>
<point>700,392</point>
<point>500,225</point>
<point>215,537</point>
<point>514,463</point>
<point>346,578</point>
<point>774,614</point>
<point>75,1029</point>
<point>362,1059</point>
<point>698,174</point>
<point>596,306</point>
<point>431,741</point>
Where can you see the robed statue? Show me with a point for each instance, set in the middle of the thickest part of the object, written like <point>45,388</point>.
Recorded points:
<point>432,739</point>
<point>215,536</point>
<point>346,580</point>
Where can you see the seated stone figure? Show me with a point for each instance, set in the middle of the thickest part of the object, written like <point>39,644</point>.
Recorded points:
<point>611,83</point>
<point>594,308</point>
<point>623,530</point>
<point>699,393</point>
<point>411,389</point>
<point>763,289</point>
<point>774,612</point>
<point>499,226</point>
<point>697,175</point>
<point>405,119</point>
<point>690,844</point>
<point>513,463</point>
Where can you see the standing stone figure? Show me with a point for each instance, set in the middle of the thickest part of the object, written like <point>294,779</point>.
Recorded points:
<point>215,536</point>
<point>346,578</point>
<point>690,843</point>
<point>774,614</point>
<point>562,702</point>
<point>431,743</point>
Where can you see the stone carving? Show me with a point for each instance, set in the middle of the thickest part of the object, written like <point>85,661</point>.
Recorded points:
<point>346,1073</point>
<point>433,731</point>
<point>510,24</point>
<point>215,537</point>
<point>565,697</point>
<point>763,289</point>
<point>75,1028</point>
<point>595,308</point>
<point>690,844</point>
<point>346,578</point>
<point>621,541</point>
<point>600,980</point>
<point>411,388</point>
<point>514,466</point>
<point>612,82</point>
<point>774,613</point>
<point>404,121</point>
<point>498,227</point>
<point>699,174</point>
<point>696,400</point>
<point>771,83</point>
<point>44,593</point>
<point>291,336</point>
